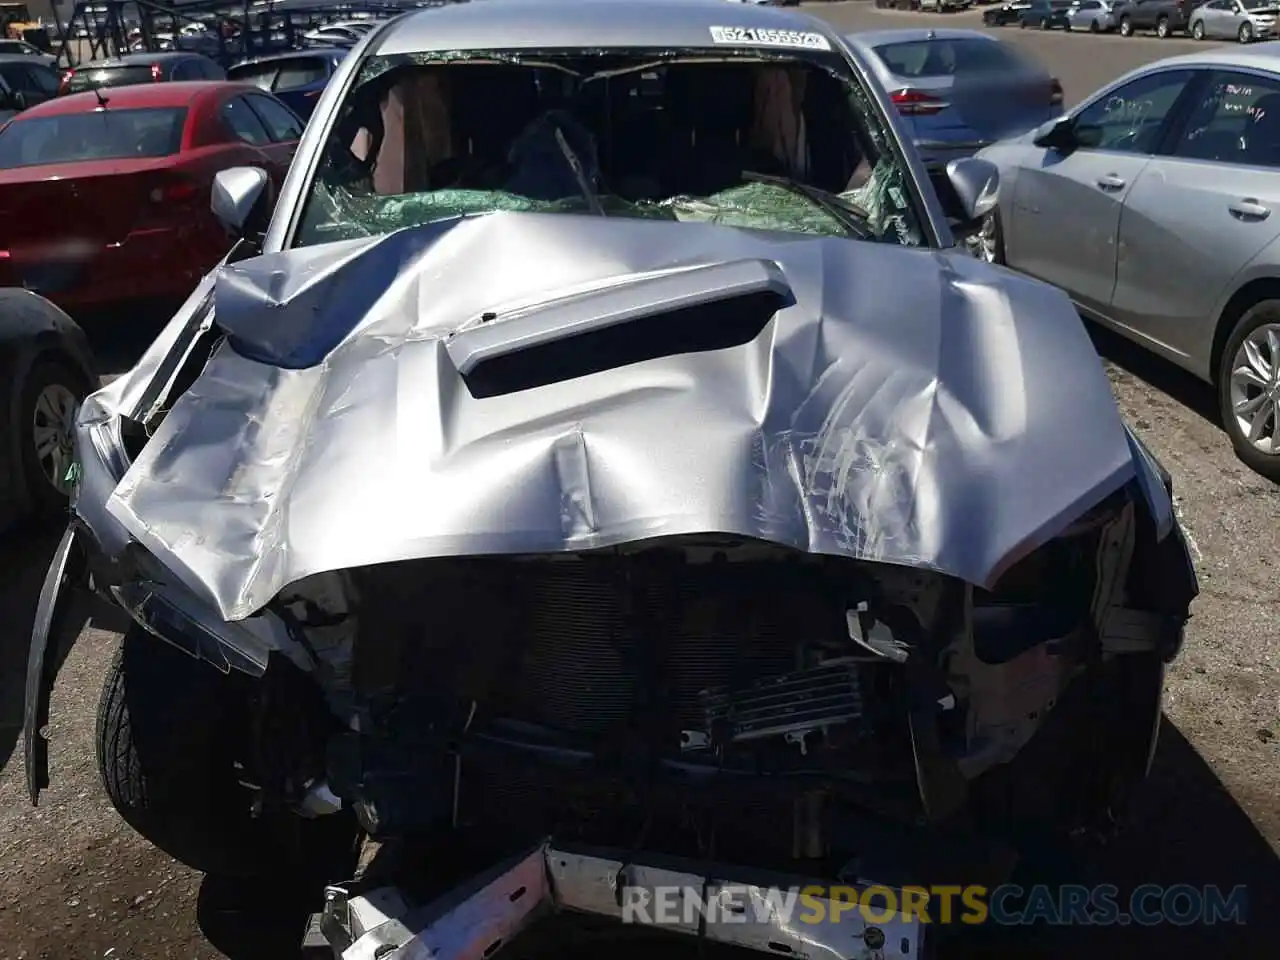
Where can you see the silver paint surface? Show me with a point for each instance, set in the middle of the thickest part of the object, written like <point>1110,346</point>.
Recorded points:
<point>911,406</point>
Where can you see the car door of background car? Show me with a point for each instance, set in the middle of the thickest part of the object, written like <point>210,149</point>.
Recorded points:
<point>1066,209</point>
<point>1200,212</point>
<point>1214,15</point>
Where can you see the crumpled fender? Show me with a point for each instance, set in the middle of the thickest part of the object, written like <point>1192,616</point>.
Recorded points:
<point>61,614</point>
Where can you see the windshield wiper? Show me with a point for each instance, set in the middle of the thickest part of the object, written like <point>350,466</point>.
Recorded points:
<point>578,173</point>
<point>852,218</point>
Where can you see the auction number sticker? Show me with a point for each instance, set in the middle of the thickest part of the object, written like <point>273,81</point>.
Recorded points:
<point>751,36</point>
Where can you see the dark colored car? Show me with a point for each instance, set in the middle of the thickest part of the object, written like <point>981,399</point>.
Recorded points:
<point>24,82</point>
<point>45,371</point>
<point>296,78</point>
<point>1045,14</point>
<point>110,204</point>
<point>1005,14</point>
<point>1165,17</point>
<point>140,68</point>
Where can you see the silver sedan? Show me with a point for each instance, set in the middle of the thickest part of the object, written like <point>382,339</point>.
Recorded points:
<point>1243,20</point>
<point>1092,15</point>
<point>1156,205</point>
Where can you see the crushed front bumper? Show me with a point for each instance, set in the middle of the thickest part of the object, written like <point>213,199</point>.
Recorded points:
<point>476,920</point>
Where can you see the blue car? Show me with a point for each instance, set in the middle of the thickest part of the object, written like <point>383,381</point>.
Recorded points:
<point>296,77</point>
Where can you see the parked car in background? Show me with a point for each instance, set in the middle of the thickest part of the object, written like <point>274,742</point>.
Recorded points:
<point>46,369</point>
<point>1174,164</point>
<point>103,204</point>
<point>958,90</point>
<point>1045,15</point>
<point>24,82</point>
<point>20,48</point>
<point>134,68</point>
<point>1164,17</point>
<point>297,78</point>
<point>1096,16</point>
<point>345,33</point>
<point>1005,14</point>
<point>1242,20</point>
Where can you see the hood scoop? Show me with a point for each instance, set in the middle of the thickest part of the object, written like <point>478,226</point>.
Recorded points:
<point>690,310</point>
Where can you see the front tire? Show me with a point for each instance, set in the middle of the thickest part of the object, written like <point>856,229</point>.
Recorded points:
<point>167,762</point>
<point>170,732</point>
<point>1126,27</point>
<point>1246,33</point>
<point>1162,28</point>
<point>1197,30</point>
<point>1044,23</point>
<point>1249,388</point>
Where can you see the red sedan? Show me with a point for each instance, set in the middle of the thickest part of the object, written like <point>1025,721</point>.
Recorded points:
<point>105,196</point>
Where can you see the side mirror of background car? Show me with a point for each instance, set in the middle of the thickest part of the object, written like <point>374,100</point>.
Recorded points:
<point>1057,134</point>
<point>241,201</point>
<point>976,183</point>
<point>19,100</point>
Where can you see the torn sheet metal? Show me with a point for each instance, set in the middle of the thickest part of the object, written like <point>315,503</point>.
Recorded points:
<point>907,406</point>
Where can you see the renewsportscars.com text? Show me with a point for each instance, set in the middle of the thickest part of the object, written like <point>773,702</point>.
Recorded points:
<point>1102,905</point>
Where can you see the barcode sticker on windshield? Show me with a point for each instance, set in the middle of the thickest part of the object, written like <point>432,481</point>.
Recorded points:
<point>752,36</point>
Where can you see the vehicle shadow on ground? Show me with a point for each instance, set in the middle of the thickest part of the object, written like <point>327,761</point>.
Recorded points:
<point>1170,379</point>
<point>1189,831</point>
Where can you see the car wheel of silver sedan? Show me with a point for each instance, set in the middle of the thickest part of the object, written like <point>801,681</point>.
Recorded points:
<point>51,395</point>
<point>1246,33</point>
<point>1197,30</point>
<point>1249,388</point>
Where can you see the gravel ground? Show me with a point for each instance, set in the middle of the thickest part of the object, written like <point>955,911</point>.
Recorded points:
<point>76,883</point>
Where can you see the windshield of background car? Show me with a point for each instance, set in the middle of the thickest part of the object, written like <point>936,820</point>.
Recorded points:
<point>124,76</point>
<point>788,143</point>
<point>945,57</point>
<point>99,135</point>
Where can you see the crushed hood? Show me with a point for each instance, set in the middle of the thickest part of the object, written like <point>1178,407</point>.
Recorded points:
<point>900,405</point>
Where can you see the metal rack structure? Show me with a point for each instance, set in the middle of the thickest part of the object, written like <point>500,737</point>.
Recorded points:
<point>108,28</point>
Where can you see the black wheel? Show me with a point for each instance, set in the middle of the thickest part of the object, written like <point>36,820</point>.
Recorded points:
<point>1246,33</point>
<point>51,394</point>
<point>1093,27</point>
<point>1249,388</point>
<point>1126,27</point>
<point>170,732</point>
<point>1197,30</point>
<point>1022,24</point>
<point>1044,23</point>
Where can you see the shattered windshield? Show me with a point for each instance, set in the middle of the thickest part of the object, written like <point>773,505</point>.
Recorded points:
<point>787,143</point>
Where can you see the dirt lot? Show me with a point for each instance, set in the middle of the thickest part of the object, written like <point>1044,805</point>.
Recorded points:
<point>76,883</point>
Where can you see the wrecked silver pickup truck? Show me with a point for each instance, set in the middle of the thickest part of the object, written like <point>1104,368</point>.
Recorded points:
<point>603,470</point>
